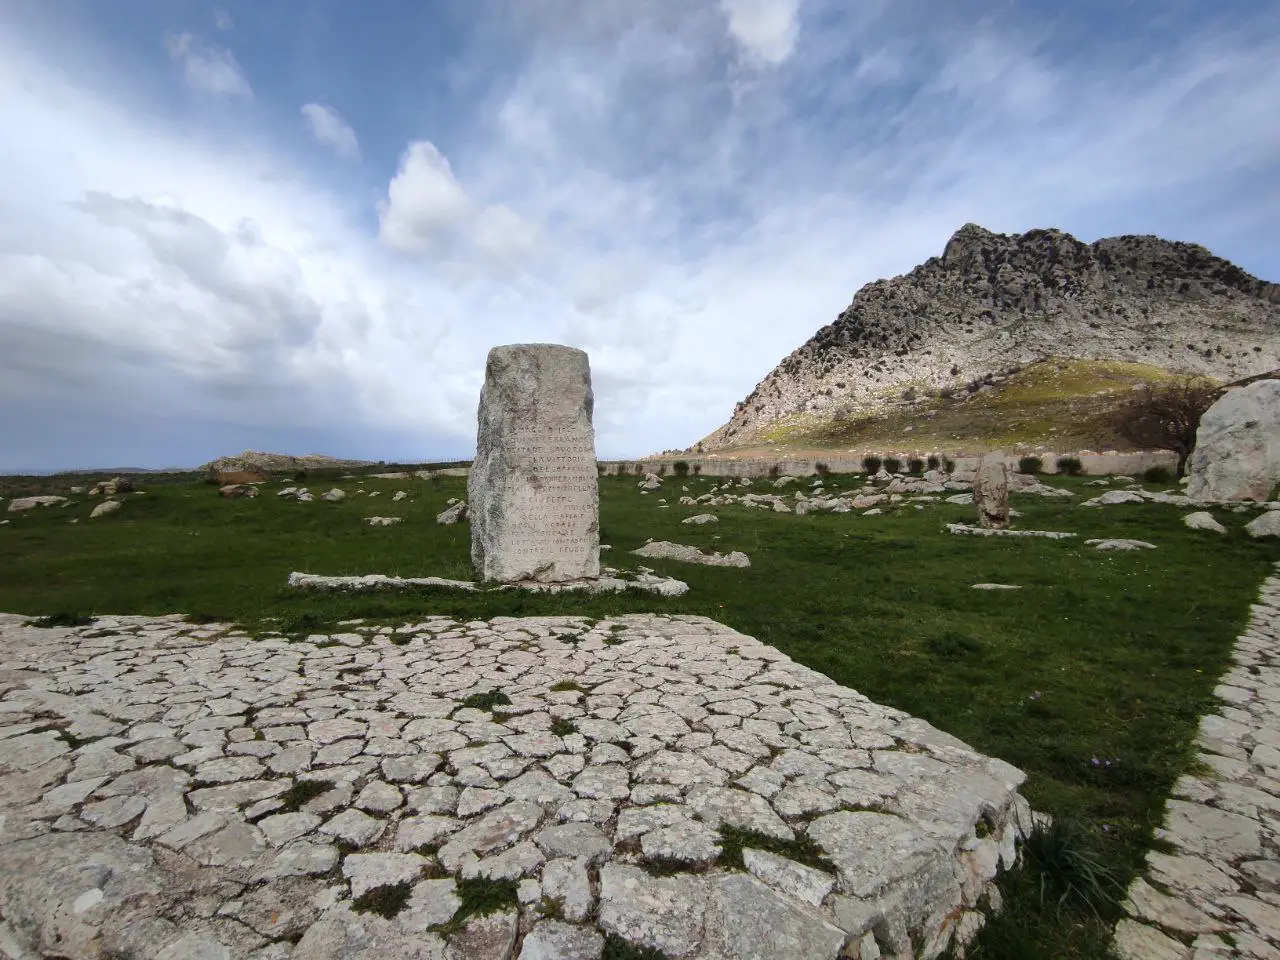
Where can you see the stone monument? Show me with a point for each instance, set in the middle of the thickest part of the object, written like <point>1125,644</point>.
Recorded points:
<point>533,498</point>
<point>991,491</point>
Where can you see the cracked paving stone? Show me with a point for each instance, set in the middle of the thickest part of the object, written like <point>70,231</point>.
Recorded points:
<point>354,827</point>
<point>581,840</point>
<point>285,827</point>
<point>365,871</point>
<point>609,781</point>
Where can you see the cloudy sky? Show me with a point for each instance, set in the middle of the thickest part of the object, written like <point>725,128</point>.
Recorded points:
<point>301,226</point>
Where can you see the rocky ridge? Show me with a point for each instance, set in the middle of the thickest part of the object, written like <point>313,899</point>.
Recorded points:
<point>993,302</point>
<point>282,462</point>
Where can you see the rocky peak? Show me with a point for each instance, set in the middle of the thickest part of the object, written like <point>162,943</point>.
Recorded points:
<point>995,299</point>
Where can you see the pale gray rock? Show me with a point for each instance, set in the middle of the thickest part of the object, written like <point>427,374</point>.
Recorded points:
<point>683,841</point>
<point>665,550</point>
<point>1264,525</point>
<point>904,849</point>
<point>1119,544</point>
<point>383,521</point>
<point>533,484</point>
<point>19,504</point>
<point>736,808</point>
<point>701,518</point>
<point>366,871</point>
<point>1114,497</point>
<point>453,514</point>
<point>567,882</point>
<point>354,827</point>
<point>283,828</point>
<point>661,913</point>
<point>431,903</point>
<point>334,496</point>
<point>1203,520</point>
<point>580,840</point>
<point>991,491</point>
<point>106,508</point>
<point>746,920</point>
<point>794,879</point>
<point>556,940</point>
<point>343,934</point>
<point>1237,452</point>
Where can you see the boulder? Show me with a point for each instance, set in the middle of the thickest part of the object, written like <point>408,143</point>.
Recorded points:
<point>334,496</point>
<point>26,503</point>
<point>1119,544</point>
<point>651,482</point>
<point>991,491</point>
<point>1113,497</point>
<point>1237,454</point>
<point>665,550</point>
<point>104,508</point>
<point>238,491</point>
<point>1203,521</point>
<point>454,514</point>
<point>1264,525</point>
<point>383,521</point>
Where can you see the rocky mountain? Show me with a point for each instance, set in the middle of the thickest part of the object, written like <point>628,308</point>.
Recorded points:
<point>994,303</point>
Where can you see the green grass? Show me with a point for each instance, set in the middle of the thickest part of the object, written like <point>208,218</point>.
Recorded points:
<point>1106,656</point>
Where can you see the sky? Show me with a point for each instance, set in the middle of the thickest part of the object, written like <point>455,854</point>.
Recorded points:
<point>300,227</point>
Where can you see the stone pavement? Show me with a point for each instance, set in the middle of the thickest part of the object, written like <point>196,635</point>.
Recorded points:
<point>1217,894</point>
<point>171,791</point>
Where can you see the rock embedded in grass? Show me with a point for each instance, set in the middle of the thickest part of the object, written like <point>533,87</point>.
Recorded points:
<point>665,550</point>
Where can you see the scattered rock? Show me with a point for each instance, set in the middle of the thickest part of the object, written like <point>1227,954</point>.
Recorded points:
<point>1264,525</point>
<point>26,503</point>
<point>665,550</point>
<point>1119,544</point>
<point>701,518</point>
<point>238,491</point>
<point>334,496</point>
<point>454,514</point>
<point>383,521</point>
<point>105,508</point>
<point>1203,521</point>
<point>1113,497</point>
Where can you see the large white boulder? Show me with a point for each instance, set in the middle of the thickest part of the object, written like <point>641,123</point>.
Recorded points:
<point>1237,455</point>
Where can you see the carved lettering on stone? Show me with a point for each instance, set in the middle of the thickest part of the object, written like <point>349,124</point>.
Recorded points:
<point>533,493</point>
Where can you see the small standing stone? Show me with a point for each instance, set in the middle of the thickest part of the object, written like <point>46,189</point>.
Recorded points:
<point>991,491</point>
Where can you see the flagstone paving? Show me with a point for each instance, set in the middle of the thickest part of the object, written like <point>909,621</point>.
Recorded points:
<point>1215,893</point>
<point>178,791</point>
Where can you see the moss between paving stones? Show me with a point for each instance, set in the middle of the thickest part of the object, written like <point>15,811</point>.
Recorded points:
<point>1112,657</point>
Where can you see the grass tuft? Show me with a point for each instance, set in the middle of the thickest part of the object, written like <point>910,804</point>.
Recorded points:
<point>384,901</point>
<point>487,700</point>
<point>1070,870</point>
<point>802,849</point>
<point>61,619</point>
<point>615,948</point>
<point>303,791</point>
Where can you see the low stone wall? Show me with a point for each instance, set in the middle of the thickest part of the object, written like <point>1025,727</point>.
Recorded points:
<point>1093,464</point>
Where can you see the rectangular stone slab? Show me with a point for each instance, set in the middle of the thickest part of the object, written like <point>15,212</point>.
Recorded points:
<point>533,497</point>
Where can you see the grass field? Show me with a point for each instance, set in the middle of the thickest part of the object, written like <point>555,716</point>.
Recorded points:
<point>1091,678</point>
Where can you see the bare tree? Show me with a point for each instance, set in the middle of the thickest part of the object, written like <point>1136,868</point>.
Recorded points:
<point>1165,416</point>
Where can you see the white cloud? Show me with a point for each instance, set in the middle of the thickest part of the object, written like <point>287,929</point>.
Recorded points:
<point>206,68</point>
<point>424,201</point>
<point>765,29</point>
<point>328,127</point>
<point>500,233</point>
<point>222,20</point>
